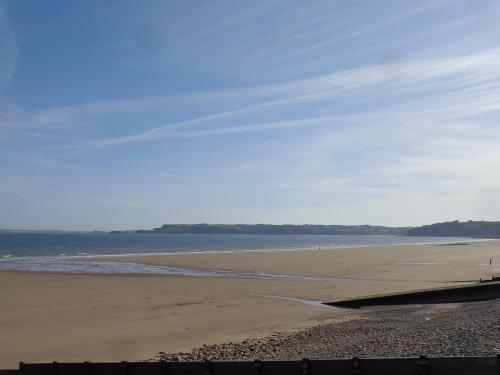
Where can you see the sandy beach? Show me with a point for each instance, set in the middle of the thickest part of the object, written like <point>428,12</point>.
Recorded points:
<point>77,317</point>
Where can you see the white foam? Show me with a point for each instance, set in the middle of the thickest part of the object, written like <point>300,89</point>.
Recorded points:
<point>59,265</point>
<point>291,249</point>
<point>79,266</point>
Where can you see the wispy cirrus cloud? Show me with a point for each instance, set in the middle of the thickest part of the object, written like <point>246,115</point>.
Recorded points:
<point>433,89</point>
<point>320,112</point>
<point>290,35</point>
<point>468,74</point>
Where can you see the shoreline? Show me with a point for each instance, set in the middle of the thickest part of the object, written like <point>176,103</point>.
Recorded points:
<point>85,255</point>
<point>159,264</point>
<point>135,316</point>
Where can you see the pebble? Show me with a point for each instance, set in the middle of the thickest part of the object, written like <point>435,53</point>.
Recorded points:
<point>462,330</point>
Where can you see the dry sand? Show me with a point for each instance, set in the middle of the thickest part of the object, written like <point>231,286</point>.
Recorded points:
<point>45,317</point>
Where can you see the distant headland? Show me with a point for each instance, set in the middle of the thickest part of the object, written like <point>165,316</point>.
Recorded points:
<point>303,229</point>
<point>480,229</point>
<point>471,229</point>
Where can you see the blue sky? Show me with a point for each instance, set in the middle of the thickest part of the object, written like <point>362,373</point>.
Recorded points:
<point>130,114</point>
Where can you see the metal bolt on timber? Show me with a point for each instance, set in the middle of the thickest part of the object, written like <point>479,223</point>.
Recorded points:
<point>356,367</point>
<point>257,367</point>
<point>208,367</point>
<point>124,367</point>
<point>163,368</point>
<point>305,366</point>
<point>55,368</point>
<point>88,366</point>
<point>423,365</point>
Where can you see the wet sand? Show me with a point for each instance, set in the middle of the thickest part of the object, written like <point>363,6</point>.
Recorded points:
<point>64,317</point>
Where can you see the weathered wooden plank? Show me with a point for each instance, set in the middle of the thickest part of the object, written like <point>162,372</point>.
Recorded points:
<point>377,366</point>
<point>140,368</point>
<point>9,372</point>
<point>341,366</point>
<point>389,366</point>
<point>464,366</point>
<point>230,368</point>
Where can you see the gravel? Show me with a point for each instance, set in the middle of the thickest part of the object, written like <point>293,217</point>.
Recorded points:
<point>452,330</point>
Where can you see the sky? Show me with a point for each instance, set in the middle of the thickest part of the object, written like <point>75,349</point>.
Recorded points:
<point>131,114</point>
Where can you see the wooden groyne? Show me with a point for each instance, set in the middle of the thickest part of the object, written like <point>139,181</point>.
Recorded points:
<point>485,291</point>
<point>486,365</point>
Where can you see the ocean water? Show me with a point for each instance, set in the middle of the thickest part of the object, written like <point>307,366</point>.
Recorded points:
<point>67,252</point>
<point>17,244</point>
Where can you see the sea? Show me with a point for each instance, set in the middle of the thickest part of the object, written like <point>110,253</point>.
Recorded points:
<point>67,252</point>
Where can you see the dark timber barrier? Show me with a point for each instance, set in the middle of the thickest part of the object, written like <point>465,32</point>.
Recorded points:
<point>470,293</point>
<point>488,365</point>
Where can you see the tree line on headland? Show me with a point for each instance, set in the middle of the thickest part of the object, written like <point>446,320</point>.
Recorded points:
<point>274,229</point>
<point>446,229</point>
<point>489,229</point>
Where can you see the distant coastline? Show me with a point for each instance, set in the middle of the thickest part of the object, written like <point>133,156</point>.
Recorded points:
<point>271,229</point>
<point>469,229</point>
